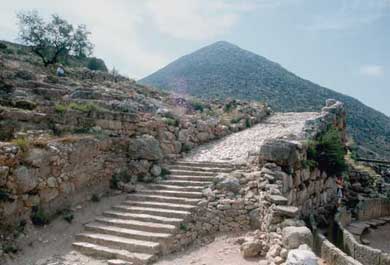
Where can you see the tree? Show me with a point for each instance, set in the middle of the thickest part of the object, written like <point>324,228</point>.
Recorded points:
<point>49,40</point>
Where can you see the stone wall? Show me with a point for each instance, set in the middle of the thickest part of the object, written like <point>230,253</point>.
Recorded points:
<point>331,254</point>
<point>56,172</point>
<point>358,251</point>
<point>305,187</point>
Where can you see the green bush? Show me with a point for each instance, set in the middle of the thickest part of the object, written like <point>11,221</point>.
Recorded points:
<point>3,46</point>
<point>183,227</point>
<point>96,64</point>
<point>235,120</point>
<point>171,122</point>
<point>197,105</point>
<point>60,108</point>
<point>38,217</point>
<point>248,123</point>
<point>95,198</point>
<point>122,175</point>
<point>10,248</point>
<point>67,215</point>
<point>328,152</point>
<point>22,143</point>
<point>5,196</point>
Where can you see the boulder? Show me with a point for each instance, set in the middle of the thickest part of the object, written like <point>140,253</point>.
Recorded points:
<point>280,151</point>
<point>301,257</point>
<point>25,180</point>
<point>145,147</point>
<point>251,248</point>
<point>229,184</point>
<point>156,170</point>
<point>294,236</point>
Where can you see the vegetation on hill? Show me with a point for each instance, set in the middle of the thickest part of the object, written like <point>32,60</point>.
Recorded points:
<point>50,40</point>
<point>224,70</point>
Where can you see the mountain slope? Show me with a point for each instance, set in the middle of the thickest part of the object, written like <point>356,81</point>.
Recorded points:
<point>224,70</point>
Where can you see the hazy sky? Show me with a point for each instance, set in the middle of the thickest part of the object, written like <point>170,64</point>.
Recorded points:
<point>341,44</point>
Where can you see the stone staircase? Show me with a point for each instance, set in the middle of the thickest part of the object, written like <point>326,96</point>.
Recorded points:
<point>140,229</point>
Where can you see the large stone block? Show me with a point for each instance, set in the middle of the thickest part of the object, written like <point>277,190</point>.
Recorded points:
<point>294,236</point>
<point>280,151</point>
<point>145,147</point>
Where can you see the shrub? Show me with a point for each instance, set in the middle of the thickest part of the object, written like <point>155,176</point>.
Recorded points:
<point>197,105</point>
<point>3,46</point>
<point>165,172</point>
<point>5,196</point>
<point>60,108</point>
<point>186,148</point>
<point>83,107</point>
<point>122,175</point>
<point>235,120</point>
<point>183,227</point>
<point>96,64</point>
<point>171,122</point>
<point>38,217</point>
<point>7,129</point>
<point>328,152</point>
<point>10,248</point>
<point>95,198</point>
<point>248,123</point>
<point>67,215</point>
<point>22,143</point>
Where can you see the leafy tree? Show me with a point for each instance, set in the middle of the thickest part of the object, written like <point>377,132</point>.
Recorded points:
<point>50,40</point>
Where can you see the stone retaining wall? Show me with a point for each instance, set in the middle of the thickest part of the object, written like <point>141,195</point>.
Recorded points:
<point>54,173</point>
<point>331,254</point>
<point>364,254</point>
<point>309,189</point>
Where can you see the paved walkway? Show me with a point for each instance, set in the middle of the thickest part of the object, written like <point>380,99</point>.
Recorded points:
<point>235,147</point>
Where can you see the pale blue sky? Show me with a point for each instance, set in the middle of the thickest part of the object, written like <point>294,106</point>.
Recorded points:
<point>343,45</point>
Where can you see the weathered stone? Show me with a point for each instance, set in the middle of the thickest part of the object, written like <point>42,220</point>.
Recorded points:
<point>156,170</point>
<point>301,257</point>
<point>229,184</point>
<point>294,236</point>
<point>251,248</point>
<point>145,147</point>
<point>25,180</point>
<point>280,151</point>
<point>4,170</point>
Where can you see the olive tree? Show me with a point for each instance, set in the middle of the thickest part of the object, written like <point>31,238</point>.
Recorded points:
<point>50,40</point>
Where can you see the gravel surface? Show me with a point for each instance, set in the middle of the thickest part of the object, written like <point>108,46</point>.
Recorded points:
<point>236,147</point>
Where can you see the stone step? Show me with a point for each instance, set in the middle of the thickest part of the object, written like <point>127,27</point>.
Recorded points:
<point>98,251</point>
<point>200,169</point>
<point>162,205</point>
<point>127,233</point>
<point>118,262</point>
<point>191,178</point>
<point>153,211</point>
<point>162,186</point>
<point>187,183</point>
<point>169,199</point>
<point>122,213</point>
<point>205,164</point>
<point>138,225</point>
<point>174,193</point>
<point>118,242</point>
<point>191,173</point>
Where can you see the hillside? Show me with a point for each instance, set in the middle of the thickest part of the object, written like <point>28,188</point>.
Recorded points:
<point>224,70</point>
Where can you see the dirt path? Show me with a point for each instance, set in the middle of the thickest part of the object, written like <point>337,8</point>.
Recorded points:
<point>222,251</point>
<point>52,244</point>
<point>235,147</point>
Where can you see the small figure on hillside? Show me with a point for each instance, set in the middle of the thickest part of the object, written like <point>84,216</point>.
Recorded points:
<point>60,71</point>
<point>339,190</point>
